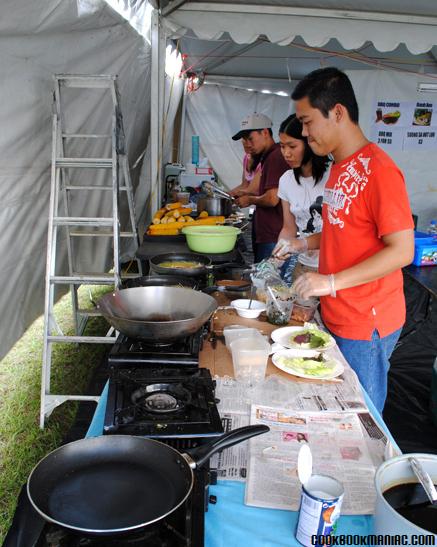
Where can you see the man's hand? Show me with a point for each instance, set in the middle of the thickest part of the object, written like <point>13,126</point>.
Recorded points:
<point>312,284</point>
<point>286,247</point>
<point>244,201</point>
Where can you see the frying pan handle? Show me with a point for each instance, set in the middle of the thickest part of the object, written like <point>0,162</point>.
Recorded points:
<point>201,454</point>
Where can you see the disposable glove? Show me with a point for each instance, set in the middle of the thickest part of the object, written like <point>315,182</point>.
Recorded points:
<point>286,247</point>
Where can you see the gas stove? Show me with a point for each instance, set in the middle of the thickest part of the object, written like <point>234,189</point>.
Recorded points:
<point>172,404</point>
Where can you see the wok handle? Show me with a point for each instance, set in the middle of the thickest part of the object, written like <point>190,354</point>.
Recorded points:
<point>201,454</point>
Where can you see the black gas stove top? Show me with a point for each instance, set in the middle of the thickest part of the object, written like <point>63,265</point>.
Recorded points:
<point>127,352</point>
<point>176,405</point>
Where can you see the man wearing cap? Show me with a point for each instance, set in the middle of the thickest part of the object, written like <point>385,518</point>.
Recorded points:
<point>257,130</point>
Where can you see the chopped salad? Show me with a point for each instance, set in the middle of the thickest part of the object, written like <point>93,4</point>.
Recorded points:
<point>310,366</point>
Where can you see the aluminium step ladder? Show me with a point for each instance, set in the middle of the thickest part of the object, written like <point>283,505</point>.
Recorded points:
<point>63,191</point>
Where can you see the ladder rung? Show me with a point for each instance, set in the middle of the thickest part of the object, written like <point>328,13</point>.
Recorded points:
<point>94,163</point>
<point>100,80</point>
<point>86,136</point>
<point>70,187</point>
<point>101,234</point>
<point>84,279</point>
<point>83,221</point>
<point>83,339</point>
<point>94,312</point>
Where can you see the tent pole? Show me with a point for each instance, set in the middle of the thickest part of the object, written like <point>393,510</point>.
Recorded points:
<point>156,110</point>
<point>182,128</point>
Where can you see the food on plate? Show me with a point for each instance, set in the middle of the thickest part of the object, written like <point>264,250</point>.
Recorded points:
<point>422,117</point>
<point>310,339</point>
<point>175,264</point>
<point>317,366</point>
<point>391,117</point>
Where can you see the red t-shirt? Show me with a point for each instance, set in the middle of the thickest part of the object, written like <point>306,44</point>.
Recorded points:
<point>268,220</point>
<point>365,198</point>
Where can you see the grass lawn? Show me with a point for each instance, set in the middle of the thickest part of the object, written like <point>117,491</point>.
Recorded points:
<point>22,442</point>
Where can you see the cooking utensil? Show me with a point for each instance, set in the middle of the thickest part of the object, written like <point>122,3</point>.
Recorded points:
<point>424,479</point>
<point>215,206</point>
<point>210,187</point>
<point>204,264</point>
<point>211,239</point>
<point>116,484</point>
<point>275,300</point>
<point>157,313</point>
<point>161,281</point>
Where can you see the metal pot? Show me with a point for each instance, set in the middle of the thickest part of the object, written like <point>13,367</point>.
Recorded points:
<point>215,206</point>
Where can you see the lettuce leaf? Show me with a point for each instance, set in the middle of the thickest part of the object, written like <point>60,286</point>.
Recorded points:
<point>317,338</point>
<point>310,366</point>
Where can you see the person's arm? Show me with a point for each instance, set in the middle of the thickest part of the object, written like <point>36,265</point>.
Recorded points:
<point>398,252</point>
<point>289,228</point>
<point>251,188</point>
<point>296,245</point>
<point>268,199</point>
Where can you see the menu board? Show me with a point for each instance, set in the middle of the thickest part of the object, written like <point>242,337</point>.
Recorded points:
<point>404,125</point>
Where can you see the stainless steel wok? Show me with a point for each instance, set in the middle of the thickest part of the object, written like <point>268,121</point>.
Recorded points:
<point>157,313</point>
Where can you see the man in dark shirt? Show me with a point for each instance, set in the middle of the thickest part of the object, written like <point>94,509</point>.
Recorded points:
<point>257,130</point>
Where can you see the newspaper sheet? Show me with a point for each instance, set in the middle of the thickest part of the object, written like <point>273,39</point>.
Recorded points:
<point>339,447</point>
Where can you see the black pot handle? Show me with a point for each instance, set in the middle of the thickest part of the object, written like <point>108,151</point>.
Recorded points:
<point>201,454</point>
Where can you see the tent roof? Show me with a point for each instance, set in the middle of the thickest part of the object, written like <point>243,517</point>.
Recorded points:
<point>386,23</point>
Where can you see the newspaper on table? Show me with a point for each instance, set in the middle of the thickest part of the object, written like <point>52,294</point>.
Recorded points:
<point>339,449</point>
<point>349,445</point>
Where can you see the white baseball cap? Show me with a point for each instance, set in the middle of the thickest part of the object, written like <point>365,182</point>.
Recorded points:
<point>251,123</point>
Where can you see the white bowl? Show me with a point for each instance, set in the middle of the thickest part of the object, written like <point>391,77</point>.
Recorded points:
<point>242,307</point>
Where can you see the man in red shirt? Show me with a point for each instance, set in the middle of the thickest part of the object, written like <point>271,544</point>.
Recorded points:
<point>256,129</point>
<point>367,234</point>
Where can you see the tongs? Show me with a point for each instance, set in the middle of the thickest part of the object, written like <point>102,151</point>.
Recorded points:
<point>212,188</point>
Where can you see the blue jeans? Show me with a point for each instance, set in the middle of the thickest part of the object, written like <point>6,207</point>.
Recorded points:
<point>263,250</point>
<point>370,360</point>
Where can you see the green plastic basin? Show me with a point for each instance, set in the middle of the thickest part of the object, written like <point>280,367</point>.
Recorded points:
<point>211,239</point>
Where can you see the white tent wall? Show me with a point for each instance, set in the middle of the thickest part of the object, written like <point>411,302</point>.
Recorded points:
<point>214,112</point>
<point>39,39</point>
<point>419,167</point>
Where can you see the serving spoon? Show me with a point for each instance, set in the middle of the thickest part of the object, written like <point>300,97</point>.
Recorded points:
<point>424,479</point>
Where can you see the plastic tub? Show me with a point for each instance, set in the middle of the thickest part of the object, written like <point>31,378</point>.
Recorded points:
<point>249,357</point>
<point>211,239</point>
<point>183,197</point>
<point>425,249</point>
<point>304,310</point>
<point>234,332</point>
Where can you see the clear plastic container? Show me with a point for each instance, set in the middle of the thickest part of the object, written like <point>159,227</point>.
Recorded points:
<point>304,310</point>
<point>279,303</point>
<point>233,332</point>
<point>249,357</point>
<point>183,197</point>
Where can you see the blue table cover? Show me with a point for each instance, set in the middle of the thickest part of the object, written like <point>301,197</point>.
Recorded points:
<point>230,523</point>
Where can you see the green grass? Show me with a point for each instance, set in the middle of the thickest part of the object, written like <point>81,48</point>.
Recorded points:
<point>22,442</point>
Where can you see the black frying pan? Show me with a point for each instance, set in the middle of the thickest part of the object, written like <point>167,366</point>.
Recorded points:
<point>118,484</point>
<point>204,264</point>
<point>161,281</point>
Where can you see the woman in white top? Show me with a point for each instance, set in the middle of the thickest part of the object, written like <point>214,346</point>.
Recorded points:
<point>301,188</point>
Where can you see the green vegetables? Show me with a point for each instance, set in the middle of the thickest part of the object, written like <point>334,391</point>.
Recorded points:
<point>309,366</point>
<point>310,339</point>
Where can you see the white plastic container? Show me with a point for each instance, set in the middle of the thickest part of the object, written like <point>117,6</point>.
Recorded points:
<point>249,357</point>
<point>233,332</point>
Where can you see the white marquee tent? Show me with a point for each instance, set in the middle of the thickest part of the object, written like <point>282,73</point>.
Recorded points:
<point>257,44</point>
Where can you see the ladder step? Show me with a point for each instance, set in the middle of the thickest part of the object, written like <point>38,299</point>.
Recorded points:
<point>101,234</point>
<point>82,80</point>
<point>83,221</point>
<point>86,136</point>
<point>82,339</point>
<point>70,187</point>
<point>84,279</point>
<point>94,163</point>
<point>94,312</point>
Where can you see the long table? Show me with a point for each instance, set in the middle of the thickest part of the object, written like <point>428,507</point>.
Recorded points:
<point>229,522</point>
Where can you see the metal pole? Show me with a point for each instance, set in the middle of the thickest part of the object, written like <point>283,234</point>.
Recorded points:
<point>182,126</point>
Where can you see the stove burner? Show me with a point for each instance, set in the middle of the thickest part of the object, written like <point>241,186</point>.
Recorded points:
<point>161,402</point>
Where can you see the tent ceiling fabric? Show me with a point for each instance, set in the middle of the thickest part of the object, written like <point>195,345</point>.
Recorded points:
<point>386,23</point>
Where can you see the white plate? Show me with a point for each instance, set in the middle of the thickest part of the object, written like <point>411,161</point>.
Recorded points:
<point>336,371</point>
<point>282,336</point>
